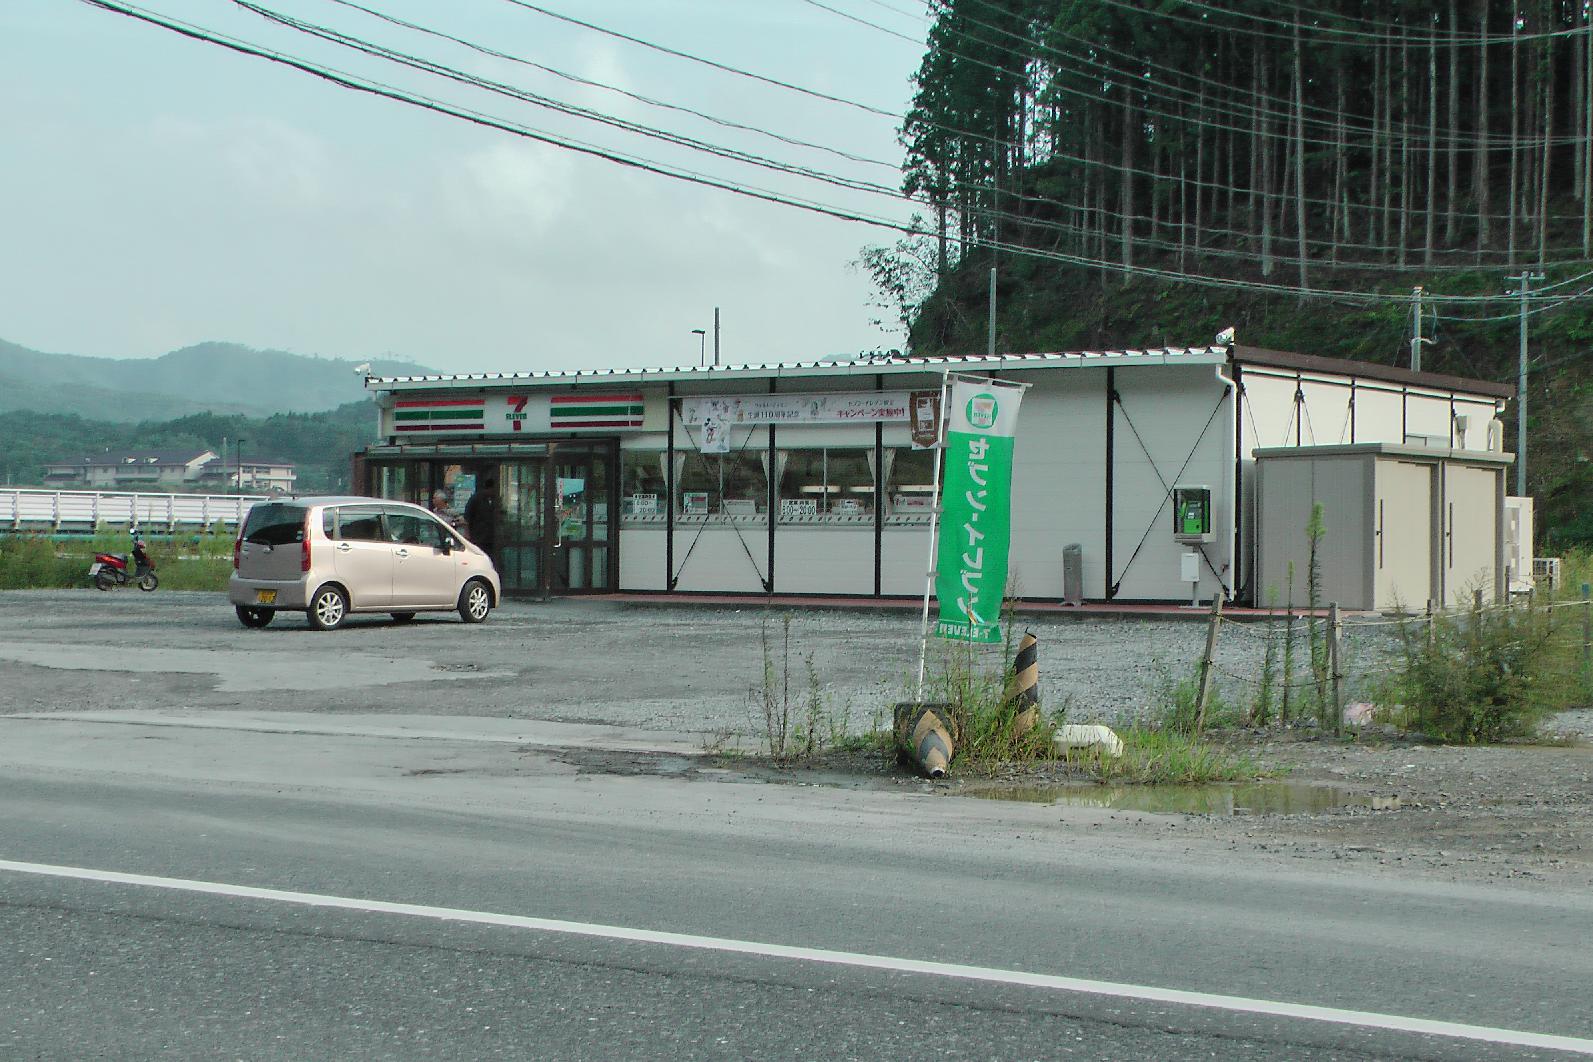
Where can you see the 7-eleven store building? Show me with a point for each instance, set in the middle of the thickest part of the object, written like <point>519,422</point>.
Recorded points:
<point>803,478</point>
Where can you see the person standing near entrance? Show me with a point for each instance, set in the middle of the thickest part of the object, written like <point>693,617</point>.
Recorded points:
<point>481,517</point>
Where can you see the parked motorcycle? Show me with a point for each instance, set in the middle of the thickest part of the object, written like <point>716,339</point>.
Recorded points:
<point>109,570</point>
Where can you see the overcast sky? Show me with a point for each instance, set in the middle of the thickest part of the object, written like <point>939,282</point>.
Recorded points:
<point>161,192</point>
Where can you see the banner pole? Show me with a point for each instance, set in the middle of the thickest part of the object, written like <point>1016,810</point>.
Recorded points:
<point>934,531</point>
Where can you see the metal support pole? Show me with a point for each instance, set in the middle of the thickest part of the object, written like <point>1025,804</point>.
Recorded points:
<point>934,531</point>
<point>1416,339</point>
<point>1525,280</point>
<point>990,342</point>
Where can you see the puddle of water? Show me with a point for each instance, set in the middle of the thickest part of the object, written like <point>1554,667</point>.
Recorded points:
<point>1259,798</point>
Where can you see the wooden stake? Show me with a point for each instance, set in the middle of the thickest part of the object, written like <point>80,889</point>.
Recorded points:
<point>1205,663</point>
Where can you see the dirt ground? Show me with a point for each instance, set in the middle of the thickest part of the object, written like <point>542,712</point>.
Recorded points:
<point>1517,812</point>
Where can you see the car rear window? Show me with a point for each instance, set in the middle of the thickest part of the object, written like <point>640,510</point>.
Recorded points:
<point>274,524</point>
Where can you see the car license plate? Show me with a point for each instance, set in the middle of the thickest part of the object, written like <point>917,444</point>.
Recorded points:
<point>265,597</point>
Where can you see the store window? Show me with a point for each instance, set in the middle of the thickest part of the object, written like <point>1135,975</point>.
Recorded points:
<point>723,485</point>
<point>910,485</point>
<point>827,485</point>
<point>644,489</point>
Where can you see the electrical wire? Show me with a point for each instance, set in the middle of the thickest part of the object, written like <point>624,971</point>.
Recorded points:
<point>360,84</point>
<point>638,97</point>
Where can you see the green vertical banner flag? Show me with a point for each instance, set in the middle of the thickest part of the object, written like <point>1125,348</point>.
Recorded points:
<point>976,508</point>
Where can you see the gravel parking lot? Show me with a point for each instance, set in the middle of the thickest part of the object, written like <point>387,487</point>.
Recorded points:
<point>687,669</point>
<point>1513,811</point>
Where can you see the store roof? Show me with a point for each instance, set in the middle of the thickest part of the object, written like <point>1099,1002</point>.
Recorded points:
<point>865,366</point>
<point>889,365</point>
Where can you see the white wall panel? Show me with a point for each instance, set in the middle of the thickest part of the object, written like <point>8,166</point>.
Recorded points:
<point>1269,410</point>
<point>1059,483</point>
<point>1427,414</point>
<point>1325,413</point>
<point>824,560</point>
<point>1379,415</point>
<point>1171,412</point>
<point>718,561</point>
<point>641,557</point>
<point>904,553</point>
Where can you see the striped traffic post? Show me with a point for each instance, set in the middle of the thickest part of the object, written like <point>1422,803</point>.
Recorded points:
<point>1026,685</point>
<point>924,734</point>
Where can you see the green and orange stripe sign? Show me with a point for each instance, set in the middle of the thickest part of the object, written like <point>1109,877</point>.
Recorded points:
<point>581,412</point>
<point>439,414</point>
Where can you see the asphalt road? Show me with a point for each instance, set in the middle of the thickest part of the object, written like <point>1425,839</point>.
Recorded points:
<point>456,885</point>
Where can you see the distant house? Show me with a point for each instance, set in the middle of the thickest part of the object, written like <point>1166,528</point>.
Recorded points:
<point>170,471</point>
<point>252,475</point>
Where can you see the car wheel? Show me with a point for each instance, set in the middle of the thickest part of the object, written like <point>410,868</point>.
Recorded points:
<point>104,580</point>
<point>149,581</point>
<point>328,609</point>
<point>250,616</point>
<point>403,617</point>
<point>475,601</point>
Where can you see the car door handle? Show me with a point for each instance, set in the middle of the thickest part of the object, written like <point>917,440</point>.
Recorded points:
<point>401,553</point>
<point>343,547</point>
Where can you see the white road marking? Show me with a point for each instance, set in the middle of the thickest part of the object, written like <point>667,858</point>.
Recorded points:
<point>985,974</point>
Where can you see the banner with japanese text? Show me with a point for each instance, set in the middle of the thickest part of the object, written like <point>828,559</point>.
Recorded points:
<point>976,518</point>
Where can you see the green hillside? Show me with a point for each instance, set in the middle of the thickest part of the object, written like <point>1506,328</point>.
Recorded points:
<point>320,444</point>
<point>224,378</point>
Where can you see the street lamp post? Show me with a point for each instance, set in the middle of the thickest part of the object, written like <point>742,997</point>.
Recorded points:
<point>702,345</point>
<point>240,464</point>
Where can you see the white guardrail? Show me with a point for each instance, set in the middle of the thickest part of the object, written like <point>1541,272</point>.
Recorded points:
<point>85,510</point>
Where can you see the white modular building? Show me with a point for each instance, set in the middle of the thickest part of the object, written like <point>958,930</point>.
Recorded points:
<point>805,479</point>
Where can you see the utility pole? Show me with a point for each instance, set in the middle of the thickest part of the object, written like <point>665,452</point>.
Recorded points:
<point>990,343</point>
<point>1525,280</point>
<point>1416,340</point>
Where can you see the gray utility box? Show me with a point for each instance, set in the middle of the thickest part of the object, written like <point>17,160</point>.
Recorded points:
<point>1403,525</point>
<point>1073,574</point>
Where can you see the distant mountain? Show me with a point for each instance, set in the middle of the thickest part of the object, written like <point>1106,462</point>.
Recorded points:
<point>224,378</point>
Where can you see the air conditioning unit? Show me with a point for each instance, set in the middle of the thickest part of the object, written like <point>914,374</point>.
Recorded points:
<point>1546,572</point>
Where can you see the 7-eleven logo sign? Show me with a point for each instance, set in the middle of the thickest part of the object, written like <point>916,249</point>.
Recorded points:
<point>516,414</point>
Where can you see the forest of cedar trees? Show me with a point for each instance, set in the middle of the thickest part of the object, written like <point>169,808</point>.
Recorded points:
<point>1141,172</point>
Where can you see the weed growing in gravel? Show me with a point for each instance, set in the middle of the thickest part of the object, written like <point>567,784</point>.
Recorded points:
<point>1166,757</point>
<point>1485,675</point>
<point>979,698</point>
<point>802,728</point>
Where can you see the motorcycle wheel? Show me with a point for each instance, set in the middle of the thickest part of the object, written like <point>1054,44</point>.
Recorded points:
<point>148,581</point>
<point>104,580</point>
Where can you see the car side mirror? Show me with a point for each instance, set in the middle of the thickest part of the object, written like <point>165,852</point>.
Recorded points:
<point>447,544</point>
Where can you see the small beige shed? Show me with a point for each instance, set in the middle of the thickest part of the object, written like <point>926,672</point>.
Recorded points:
<point>1403,525</point>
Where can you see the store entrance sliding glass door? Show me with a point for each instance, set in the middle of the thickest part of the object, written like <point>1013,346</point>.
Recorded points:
<point>581,555</point>
<point>547,524</point>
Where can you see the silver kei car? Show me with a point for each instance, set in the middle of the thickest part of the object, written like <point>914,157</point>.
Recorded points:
<point>333,556</point>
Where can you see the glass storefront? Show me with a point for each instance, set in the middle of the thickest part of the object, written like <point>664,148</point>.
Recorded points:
<point>543,516</point>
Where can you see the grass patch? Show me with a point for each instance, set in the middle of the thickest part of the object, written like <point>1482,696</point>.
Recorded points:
<point>1153,756</point>
<point>186,562</point>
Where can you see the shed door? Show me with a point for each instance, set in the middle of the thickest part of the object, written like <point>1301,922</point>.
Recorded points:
<point>1471,539</point>
<point>1403,535</point>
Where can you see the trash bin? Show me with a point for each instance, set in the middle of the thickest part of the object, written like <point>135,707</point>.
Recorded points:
<point>1073,574</point>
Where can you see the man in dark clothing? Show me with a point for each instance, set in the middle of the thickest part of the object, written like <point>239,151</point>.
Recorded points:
<point>481,517</point>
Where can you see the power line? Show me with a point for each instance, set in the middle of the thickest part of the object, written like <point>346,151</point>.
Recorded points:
<point>638,97</point>
<point>364,85</point>
<point>702,61</point>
